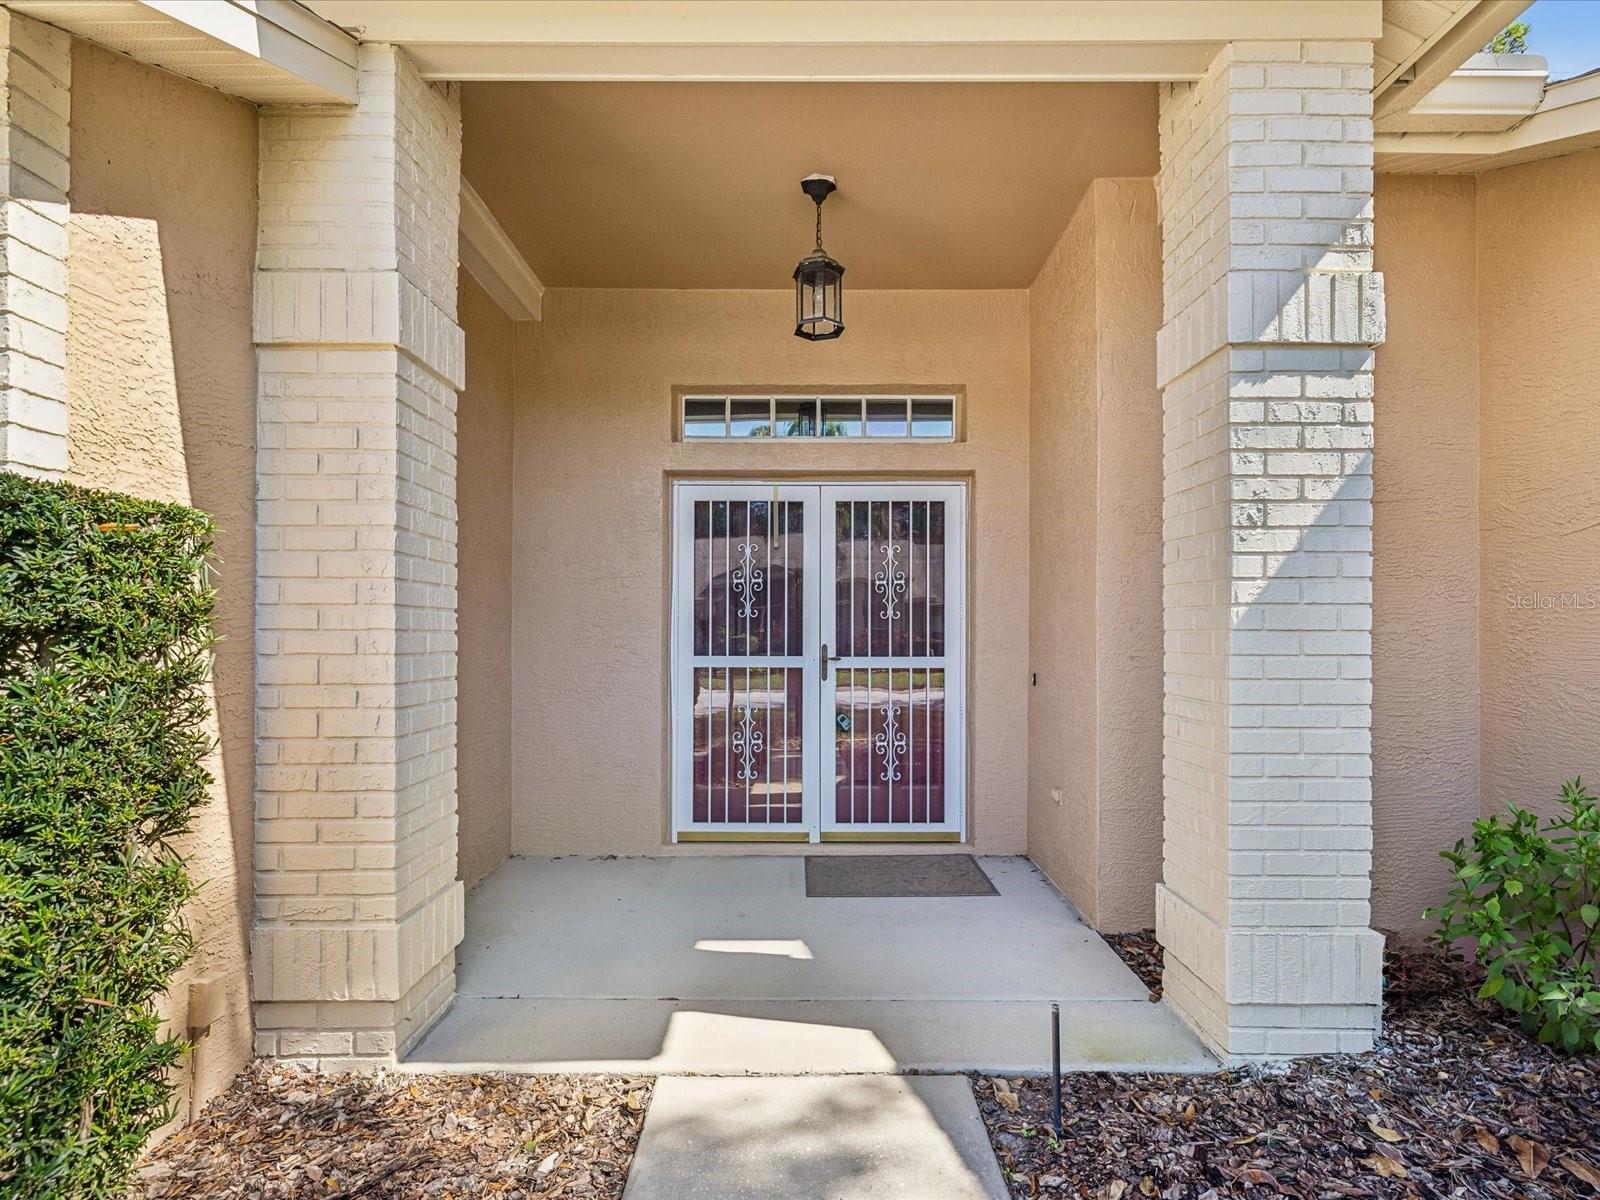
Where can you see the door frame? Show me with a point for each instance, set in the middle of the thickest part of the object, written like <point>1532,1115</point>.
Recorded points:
<point>680,610</point>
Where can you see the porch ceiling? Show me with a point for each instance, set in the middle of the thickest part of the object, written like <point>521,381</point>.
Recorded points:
<point>696,185</point>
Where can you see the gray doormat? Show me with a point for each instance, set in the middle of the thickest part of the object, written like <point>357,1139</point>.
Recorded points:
<point>870,876</point>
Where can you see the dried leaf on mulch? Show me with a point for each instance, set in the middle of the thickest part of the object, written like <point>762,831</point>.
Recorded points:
<point>1454,1102</point>
<point>284,1134</point>
<point>1142,953</point>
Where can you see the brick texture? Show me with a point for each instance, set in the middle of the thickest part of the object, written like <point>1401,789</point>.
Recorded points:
<point>1265,356</point>
<point>35,95</point>
<point>360,360</point>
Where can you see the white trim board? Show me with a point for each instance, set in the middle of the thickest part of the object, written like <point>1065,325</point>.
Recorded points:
<point>264,51</point>
<point>888,40</point>
<point>492,258</point>
<point>1567,121</point>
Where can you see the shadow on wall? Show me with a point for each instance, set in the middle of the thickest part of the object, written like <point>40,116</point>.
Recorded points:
<point>135,428</point>
<point>161,382</point>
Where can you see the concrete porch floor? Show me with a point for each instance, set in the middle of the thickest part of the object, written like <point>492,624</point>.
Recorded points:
<point>723,966</point>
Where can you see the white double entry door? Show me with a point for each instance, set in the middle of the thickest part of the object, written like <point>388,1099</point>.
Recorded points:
<point>818,661</point>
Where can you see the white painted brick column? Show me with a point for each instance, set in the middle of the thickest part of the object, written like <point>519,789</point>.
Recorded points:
<point>35,96</point>
<point>1271,313</point>
<point>358,909</point>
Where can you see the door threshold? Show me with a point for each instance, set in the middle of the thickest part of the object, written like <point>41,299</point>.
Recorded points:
<point>876,835</point>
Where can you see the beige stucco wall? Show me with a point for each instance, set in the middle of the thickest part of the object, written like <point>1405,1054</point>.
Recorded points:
<point>1425,543</point>
<point>593,453</point>
<point>1095,601</point>
<point>484,596</point>
<point>1128,554</point>
<point>1538,258</point>
<point>1063,838</point>
<point>162,404</point>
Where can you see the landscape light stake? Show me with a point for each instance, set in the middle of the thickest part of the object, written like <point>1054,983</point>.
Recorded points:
<point>1055,1066</point>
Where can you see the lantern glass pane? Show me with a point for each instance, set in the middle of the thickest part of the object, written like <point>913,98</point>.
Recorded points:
<point>705,419</point>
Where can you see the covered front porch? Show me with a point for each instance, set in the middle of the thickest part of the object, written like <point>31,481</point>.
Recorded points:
<point>724,966</point>
<point>1072,529</point>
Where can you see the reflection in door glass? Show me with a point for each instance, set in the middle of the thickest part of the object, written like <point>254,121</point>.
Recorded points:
<point>749,747</point>
<point>889,577</point>
<point>746,710</point>
<point>889,747</point>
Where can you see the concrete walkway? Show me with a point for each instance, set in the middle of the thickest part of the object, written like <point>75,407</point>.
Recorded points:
<point>860,1137</point>
<point>723,966</point>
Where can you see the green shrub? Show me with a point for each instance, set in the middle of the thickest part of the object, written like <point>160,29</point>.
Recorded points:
<point>1529,901</point>
<point>105,650</point>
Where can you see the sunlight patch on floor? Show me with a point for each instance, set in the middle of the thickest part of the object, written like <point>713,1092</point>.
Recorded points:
<point>773,947</point>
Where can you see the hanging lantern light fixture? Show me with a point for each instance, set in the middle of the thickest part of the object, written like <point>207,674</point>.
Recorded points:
<point>819,279</point>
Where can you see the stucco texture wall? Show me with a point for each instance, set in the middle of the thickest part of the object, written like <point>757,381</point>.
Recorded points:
<point>592,458</point>
<point>161,379</point>
<point>484,595</point>
<point>1063,838</point>
<point>1538,258</point>
<point>1425,543</point>
<point>1095,552</point>
<point>1486,583</point>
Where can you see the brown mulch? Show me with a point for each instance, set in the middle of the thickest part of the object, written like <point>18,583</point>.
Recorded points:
<point>1454,1102</point>
<point>284,1134</point>
<point>1142,953</point>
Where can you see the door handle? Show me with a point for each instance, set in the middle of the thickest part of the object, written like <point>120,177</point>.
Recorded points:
<point>826,659</point>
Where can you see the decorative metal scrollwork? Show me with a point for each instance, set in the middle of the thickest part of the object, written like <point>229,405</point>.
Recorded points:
<point>890,743</point>
<point>890,582</point>
<point>747,580</point>
<point>747,742</point>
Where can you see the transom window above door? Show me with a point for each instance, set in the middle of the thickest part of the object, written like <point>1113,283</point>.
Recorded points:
<point>799,417</point>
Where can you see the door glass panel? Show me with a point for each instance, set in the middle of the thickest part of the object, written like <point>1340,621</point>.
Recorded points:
<point>935,579</point>
<point>889,700</point>
<point>889,740</point>
<point>746,709</point>
<point>749,763</point>
<point>889,578</point>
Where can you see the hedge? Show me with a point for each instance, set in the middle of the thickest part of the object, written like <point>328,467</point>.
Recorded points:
<point>105,652</point>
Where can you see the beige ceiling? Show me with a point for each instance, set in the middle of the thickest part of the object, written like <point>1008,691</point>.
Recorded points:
<point>697,185</point>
